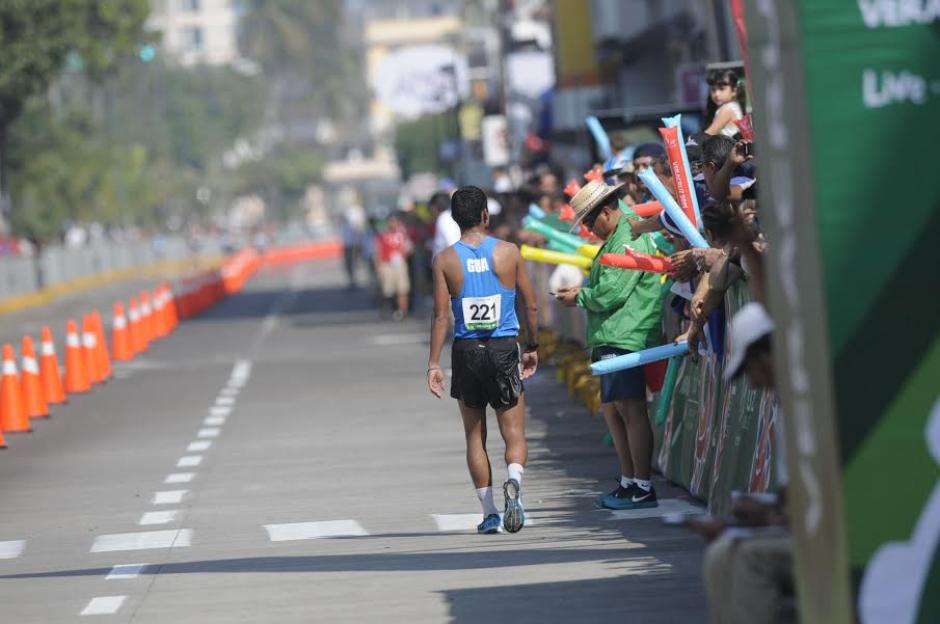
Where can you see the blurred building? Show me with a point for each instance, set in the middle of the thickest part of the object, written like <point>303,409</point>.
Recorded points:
<point>629,59</point>
<point>197,31</point>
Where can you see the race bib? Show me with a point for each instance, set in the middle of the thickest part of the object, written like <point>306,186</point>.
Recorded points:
<point>481,313</point>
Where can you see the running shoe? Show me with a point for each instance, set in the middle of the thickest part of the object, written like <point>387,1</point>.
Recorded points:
<point>489,525</point>
<point>514,514</point>
<point>617,491</point>
<point>633,497</point>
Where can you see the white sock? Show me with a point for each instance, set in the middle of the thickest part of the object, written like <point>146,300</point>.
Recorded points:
<point>485,494</point>
<point>643,485</point>
<point>515,472</point>
<point>625,482</point>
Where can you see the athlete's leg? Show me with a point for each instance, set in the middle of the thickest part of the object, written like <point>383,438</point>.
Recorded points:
<point>474,427</point>
<point>512,428</point>
<point>618,431</point>
<point>639,435</point>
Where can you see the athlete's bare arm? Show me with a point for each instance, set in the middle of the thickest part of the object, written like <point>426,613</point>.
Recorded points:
<point>525,301</point>
<point>440,322</point>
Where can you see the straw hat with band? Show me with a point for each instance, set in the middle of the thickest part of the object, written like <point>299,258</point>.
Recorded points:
<point>592,196</point>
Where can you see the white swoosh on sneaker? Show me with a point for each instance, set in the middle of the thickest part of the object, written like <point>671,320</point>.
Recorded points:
<point>642,498</point>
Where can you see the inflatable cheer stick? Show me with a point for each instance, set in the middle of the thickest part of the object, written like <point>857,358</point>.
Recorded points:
<point>676,122</point>
<point>638,358</point>
<point>554,257</point>
<point>637,261</point>
<point>535,212</point>
<point>600,137</point>
<point>649,209</point>
<point>589,251</point>
<point>669,386</point>
<point>572,189</point>
<point>552,234</point>
<point>672,208</point>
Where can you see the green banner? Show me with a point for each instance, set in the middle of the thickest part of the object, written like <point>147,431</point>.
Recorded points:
<point>846,97</point>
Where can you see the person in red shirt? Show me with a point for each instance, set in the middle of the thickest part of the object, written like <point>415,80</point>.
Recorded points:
<point>394,247</point>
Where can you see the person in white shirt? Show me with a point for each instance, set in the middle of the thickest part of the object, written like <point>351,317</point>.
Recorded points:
<point>727,102</point>
<point>446,230</point>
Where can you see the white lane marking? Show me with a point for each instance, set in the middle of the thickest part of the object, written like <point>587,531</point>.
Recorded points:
<point>225,400</point>
<point>169,497</point>
<point>666,506</point>
<point>198,446</point>
<point>12,549</point>
<point>314,530</point>
<point>222,410</point>
<point>173,538</point>
<point>448,523</point>
<point>189,461</point>
<point>158,517</point>
<point>126,571</point>
<point>179,477</point>
<point>208,432</point>
<point>214,421</point>
<point>103,605</point>
<point>241,370</point>
<point>229,391</point>
<point>389,340</point>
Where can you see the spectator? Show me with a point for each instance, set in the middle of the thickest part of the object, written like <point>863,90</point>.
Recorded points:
<point>727,102</point>
<point>446,230</point>
<point>748,565</point>
<point>352,248</point>
<point>624,312</point>
<point>394,247</point>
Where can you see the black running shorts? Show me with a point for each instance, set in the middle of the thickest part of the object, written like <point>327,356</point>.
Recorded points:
<point>486,370</point>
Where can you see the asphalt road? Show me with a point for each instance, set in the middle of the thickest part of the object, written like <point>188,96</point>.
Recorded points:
<point>280,460</point>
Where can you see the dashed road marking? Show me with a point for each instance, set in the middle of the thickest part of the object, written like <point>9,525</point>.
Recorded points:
<point>314,530</point>
<point>179,477</point>
<point>103,605</point>
<point>169,497</point>
<point>225,400</point>
<point>12,549</point>
<point>222,410</point>
<point>198,446</point>
<point>188,461</point>
<point>230,391</point>
<point>174,538</point>
<point>158,517</point>
<point>126,571</point>
<point>214,421</point>
<point>208,432</point>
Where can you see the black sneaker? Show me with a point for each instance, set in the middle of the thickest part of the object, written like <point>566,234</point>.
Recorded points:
<point>633,497</point>
<point>617,492</point>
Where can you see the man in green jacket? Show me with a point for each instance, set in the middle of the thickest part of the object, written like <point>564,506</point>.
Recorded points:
<point>624,314</point>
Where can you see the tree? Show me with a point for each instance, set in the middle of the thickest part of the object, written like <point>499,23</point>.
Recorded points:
<point>36,36</point>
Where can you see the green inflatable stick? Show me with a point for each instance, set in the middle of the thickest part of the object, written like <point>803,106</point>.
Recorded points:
<point>669,385</point>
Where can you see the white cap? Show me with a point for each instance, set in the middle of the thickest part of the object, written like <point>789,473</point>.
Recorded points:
<point>749,325</point>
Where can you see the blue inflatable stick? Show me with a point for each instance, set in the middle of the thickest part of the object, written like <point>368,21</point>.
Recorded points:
<point>638,358</point>
<point>600,137</point>
<point>535,212</point>
<point>672,208</point>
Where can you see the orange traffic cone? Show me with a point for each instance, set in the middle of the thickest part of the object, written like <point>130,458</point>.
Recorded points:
<point>171,309</point>
<point>33,393</point>
<point>121,349</point>
<point>159,321</point>
<point>49,369</point>
<point>90,350</point>
<point>76,375</point>
<point>13,416</point>
<point>146,317</point>
<point>102,358</point>
<point>133,325</point>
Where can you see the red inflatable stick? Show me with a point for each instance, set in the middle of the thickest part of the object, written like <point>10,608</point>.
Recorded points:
<point>649,209</point>
<point>637,261</point>
<point>679,173</point>
<point>594,174</point>
<point>572,189</point>
<point>567,213</point>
